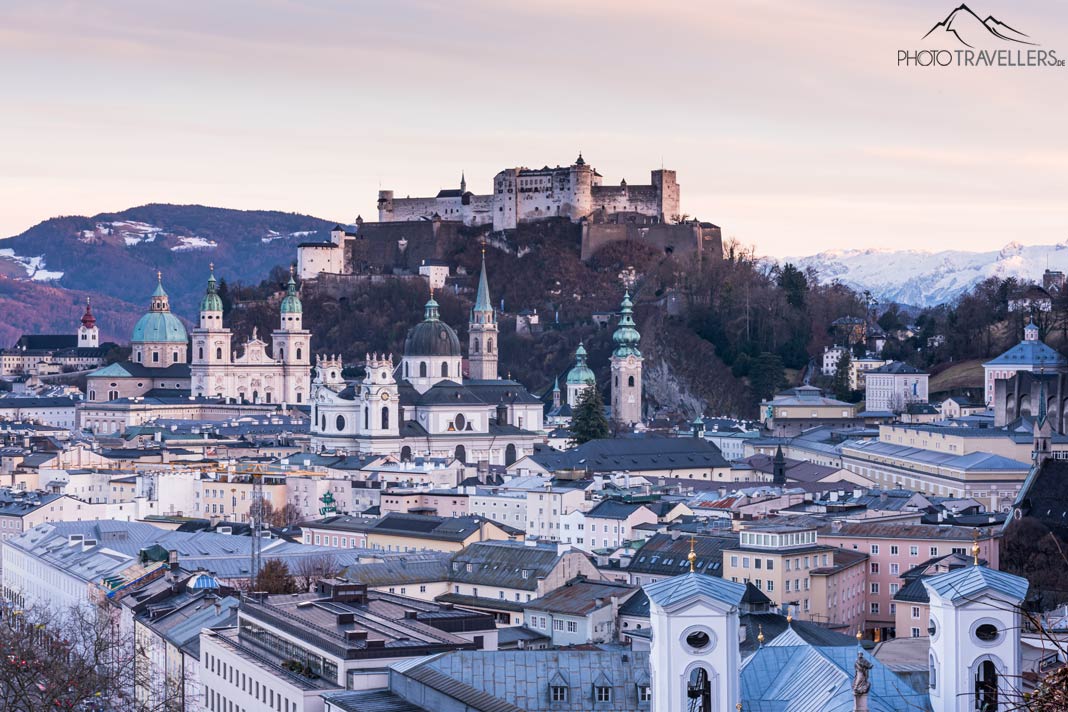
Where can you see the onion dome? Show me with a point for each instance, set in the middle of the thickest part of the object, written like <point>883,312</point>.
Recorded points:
<point>211,302</point>
<point>159,325</point>
<point>88,320</point>
<point>626,335</point>
<point>202,581</point>
<point>580,161</point>
<point>431,336</point>
<point>291,302</point>
<point>580,374</point>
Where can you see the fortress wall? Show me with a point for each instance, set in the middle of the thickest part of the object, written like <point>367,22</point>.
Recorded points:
<point>684,239</point>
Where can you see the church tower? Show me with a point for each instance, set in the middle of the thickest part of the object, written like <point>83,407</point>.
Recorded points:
<point>482,333</point>
<point>211,342</point>
<point>626,368</point>
<point>579,378</point>
<point>975,624</point>
<point>379,414</point>
<point>290,345</point>
<point>88,333</point>
<point>694,659</point>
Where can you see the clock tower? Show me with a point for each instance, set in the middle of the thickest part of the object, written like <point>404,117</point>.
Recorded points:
<point>626,368</point>
<point>379,414</point>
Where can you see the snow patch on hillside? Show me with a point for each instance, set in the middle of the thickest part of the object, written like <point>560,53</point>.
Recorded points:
<point>132,232</point>
<point>929,278</point>
<point>194,243</point>
<point>273,235</point>
<point>34,266</point>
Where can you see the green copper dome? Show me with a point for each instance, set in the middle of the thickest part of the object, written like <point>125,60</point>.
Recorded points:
<point>626,335</point>
<point>211,301</point>
<point>291,302</point>
<point>432,337</point>
<point>159,325</point>
<point>580,374</point>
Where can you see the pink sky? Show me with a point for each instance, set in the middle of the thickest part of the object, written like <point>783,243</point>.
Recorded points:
<point>789,124</point>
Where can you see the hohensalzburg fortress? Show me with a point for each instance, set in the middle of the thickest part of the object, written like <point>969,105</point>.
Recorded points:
<point>525,195</point>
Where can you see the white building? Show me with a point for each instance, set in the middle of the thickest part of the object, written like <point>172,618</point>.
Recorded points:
<point>831,356</point>
<point>893,386</point>
<point>1028,355</point>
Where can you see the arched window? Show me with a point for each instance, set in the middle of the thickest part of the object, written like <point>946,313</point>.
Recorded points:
<point>385,417</point>
<point>474,346</point>
<point>444,369</point>
<point>699,690</point>
<point>281,353</point>
<point>340,423</point>
<point>986,687</point>
<point>267,397</point>
<point>218,353</point>
<point>509,454</point>
<point>406,454</point>
<point>932,673</point>
<point>138,357</point>
<point>323,428</point>
<point>405,369</point>
<point>200,353</point>
<point>366,418</point>
<point>489,345</point>
<point>299,353</point>
<point>422,369</point>
<point>461,454</point>
<point>92,395</point>
<point>630,381</point>
<point>255,396</point>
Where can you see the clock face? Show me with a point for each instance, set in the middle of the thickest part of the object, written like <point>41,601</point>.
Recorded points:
<point>385,396</point>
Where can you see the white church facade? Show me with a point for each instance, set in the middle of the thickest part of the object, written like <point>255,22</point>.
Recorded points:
<point>424,405</point>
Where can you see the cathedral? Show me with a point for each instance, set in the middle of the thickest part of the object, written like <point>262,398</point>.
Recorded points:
<point>160,363</point>
<point>423,405</point>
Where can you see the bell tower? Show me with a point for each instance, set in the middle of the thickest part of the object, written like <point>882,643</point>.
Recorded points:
<point>626,367</point>
<point>482,341</point>
<point>88,332</point>
<point>974,659</point>
<point>379,401</point>
<point>211,344</point>
<point>291,345</point>
<point>695,659</point>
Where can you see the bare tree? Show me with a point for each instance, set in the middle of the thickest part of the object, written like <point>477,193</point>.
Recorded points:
<point>311,569</point>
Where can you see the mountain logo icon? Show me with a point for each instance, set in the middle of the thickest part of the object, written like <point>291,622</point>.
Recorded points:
<point>968,29</point>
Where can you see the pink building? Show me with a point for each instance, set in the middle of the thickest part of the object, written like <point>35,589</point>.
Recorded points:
<point>893,549</point>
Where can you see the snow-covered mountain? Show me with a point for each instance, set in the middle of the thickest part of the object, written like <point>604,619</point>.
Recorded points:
<point>929,278</point>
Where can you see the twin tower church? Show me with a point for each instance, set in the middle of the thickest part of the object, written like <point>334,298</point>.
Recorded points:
<point>423,405</point>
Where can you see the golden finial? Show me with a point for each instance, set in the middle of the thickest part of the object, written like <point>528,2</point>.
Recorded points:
<point>789,619</point>
<point>211,267</point>
<point>159,275</point>
<point>692,556</point>
<point>291,272</point>
<point>760,634</point>
<point>860,636</point>
<point>975,547</point>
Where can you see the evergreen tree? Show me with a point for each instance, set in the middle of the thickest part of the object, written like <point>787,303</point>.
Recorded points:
<point>274,577</point>
<point>766,375</point>
<point>588,421</point>
<point>841,377</point>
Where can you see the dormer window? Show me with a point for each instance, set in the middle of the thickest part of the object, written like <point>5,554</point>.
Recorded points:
<point>644,692</point>
<point>558,693</point>
<point>602,694</point>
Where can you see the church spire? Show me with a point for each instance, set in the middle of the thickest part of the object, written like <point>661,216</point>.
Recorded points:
<point>463,182</point>
<point>482,331</point>
<point>482,313</point>
<point>626,335</point>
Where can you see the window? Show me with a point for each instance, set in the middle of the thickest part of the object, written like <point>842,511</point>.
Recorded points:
<point>422,369</point>
<point>875,548</point>
<point>558,693</point>
<point>875,608</point>
<point>339,423</point>
<point>874,587</point>
<point>385,417</point>
<point>572,627</point>
<point>895,569</point>
<point>915,632</point>
<point>734,561</point>
<point>874,567</point>
<point>771,585</point>
<point>914,551</point>
<point>602,694</point>
<point>915,611</point>
<point>155,357</point>
<point>558,625</point>
<point>644,694</point>
<point>770,564</point>
<point>893,551</point>
<point>934,551</point>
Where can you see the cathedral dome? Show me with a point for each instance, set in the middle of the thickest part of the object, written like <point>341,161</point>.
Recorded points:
<point>580,374</point>
<point>159,325</point>
<point>432,337</point>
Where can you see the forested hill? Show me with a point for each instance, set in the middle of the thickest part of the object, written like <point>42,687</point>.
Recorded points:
<point>115,256</point>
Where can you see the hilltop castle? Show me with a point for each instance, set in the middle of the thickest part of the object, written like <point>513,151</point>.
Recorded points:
<point>524,195</point>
